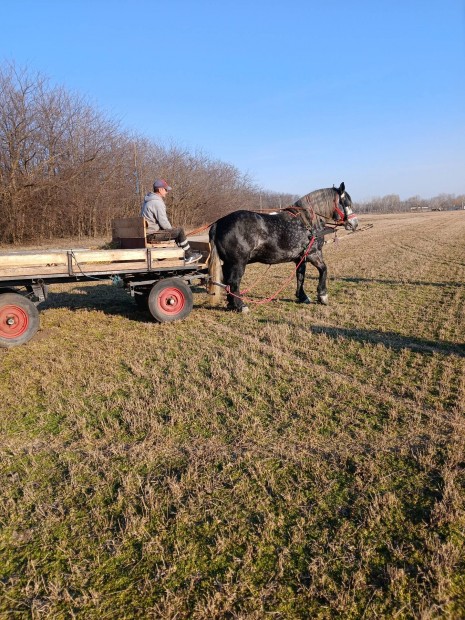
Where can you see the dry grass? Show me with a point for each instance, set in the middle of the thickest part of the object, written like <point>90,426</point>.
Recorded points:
<point>295,462</point>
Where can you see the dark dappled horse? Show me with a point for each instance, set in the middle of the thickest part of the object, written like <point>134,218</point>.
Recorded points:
<point>295,234</point>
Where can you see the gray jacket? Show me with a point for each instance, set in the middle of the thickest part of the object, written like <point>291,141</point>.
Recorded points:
<point>154,211</point>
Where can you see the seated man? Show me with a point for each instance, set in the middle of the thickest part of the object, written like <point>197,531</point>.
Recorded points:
<point>158,224</point>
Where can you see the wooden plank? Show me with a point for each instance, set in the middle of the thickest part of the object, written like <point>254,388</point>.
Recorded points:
<point>54,258</point>
<point>199,246</point>
<point>141,242</point>
<point>61,258</point>
<point>106,256</point>
<point>16,259</point>
<point>130,266</point>
<point>130,242</point>
<point>163,244</point>
<point>176,252</point>
<point>127,222</point>
<point>128,231</point>
<point>90,268</point>
<point>38,272</point>
<point>127,227</point>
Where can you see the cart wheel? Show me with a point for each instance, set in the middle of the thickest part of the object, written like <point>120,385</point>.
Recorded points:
<point>170,300</point>
<point>19,320</point>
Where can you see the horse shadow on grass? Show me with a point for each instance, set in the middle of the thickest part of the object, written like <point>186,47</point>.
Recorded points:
<point>396,282</point>
<point>392,340</point>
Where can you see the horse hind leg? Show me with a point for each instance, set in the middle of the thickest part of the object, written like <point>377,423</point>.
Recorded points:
<point>302,297</point>
<point>232,275</point>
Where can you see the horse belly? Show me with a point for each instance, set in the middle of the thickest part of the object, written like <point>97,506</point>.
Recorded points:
<point>272,255</point>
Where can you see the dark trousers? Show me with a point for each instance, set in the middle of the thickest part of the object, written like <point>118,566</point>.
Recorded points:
<point>177,234</point>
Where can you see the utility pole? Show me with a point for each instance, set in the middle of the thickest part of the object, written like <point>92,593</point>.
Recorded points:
<point>136,174</point>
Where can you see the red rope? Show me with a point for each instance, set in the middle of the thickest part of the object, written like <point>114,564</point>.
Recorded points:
<point>198,230</point>
<point>268,299</point>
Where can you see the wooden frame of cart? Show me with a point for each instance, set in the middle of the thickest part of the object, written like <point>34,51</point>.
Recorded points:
<point>155,275</point>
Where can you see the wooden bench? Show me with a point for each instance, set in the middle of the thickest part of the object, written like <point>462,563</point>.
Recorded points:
<point>131,232</point>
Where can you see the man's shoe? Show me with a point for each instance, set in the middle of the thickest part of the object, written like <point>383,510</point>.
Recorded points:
<point>192,257</point>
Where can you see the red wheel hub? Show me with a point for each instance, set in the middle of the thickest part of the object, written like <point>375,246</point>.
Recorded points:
<point>171,300</point>
<point>14,321</point>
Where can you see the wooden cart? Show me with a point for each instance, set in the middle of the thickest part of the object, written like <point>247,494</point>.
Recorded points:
<point>155,275</point>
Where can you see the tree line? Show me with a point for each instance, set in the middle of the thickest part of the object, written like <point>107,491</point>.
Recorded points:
<point>393,204</point>
<point>67,170</point>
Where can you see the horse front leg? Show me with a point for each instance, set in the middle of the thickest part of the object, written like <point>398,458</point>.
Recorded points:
<point>301,295</point>
<point>232,276</point>
<point>316,259</point>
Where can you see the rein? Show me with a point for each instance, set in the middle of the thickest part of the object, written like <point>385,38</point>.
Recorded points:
<point>196,231</point>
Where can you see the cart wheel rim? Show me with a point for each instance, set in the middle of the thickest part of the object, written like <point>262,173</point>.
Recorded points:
<point>171,300</point>
<point>14,321</point>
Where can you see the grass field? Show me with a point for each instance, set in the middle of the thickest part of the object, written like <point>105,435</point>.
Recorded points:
<point>295,462</point>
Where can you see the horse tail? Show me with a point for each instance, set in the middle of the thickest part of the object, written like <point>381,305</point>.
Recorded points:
<point>214,270</point>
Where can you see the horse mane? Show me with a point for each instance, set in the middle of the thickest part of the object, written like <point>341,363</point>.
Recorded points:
<point>315,206</point>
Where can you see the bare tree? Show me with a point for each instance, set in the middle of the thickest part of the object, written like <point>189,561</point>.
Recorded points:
<point>67,170</point>
<point>63,166</point>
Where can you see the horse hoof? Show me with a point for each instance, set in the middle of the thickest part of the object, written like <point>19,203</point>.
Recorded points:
<point>307,300</point>
<point>323,299</point>
<point>244,309</point>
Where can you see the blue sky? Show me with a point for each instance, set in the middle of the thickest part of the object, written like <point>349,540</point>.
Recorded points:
<point>298,94</point>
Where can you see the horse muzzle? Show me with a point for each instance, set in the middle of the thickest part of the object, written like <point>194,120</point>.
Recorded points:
<point>351,223</point>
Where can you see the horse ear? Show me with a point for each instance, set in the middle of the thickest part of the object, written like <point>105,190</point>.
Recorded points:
<point>342,188</point>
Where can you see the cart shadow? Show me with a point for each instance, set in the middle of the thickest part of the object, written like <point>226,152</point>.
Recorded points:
<point>110,300</point>
<point>107,299</point>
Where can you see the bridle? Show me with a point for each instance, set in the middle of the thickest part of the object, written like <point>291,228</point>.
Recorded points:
<point>346,215</point>
<point>341,213</point>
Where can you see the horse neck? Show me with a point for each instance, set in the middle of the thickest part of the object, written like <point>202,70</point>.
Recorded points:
<point>316,208</point>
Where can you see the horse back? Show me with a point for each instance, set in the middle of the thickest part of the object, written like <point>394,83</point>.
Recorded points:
<point>250,236</point>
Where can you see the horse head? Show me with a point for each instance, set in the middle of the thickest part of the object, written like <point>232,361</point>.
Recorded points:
<point>345,215</point>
